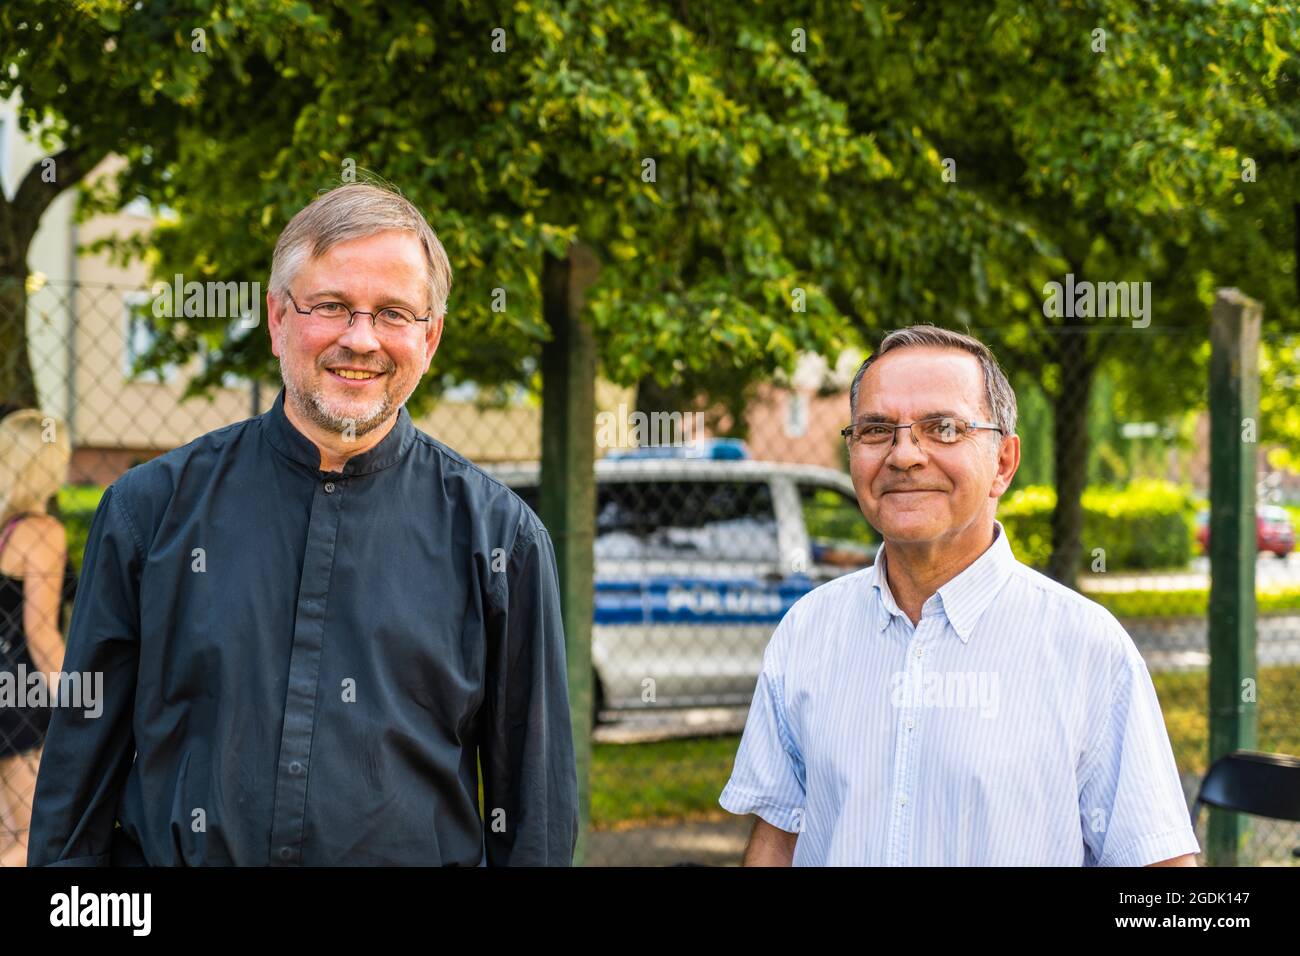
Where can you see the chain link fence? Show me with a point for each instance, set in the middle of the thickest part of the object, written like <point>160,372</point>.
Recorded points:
<point>711,521</point>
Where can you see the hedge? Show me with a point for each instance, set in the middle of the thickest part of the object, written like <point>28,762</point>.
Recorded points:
<point>1147,524</point>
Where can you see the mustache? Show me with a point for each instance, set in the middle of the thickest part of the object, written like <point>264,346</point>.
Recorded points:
<point>352,360</point>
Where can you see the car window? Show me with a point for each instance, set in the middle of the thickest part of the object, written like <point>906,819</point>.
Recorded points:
<point>837,532</point>
<point>692,520</point>
<point>695,520</point>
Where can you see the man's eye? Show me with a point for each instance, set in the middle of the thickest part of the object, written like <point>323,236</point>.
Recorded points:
<point>392,315</point>
<point>875,431</point>
<point>330,308</point>
<point>947,429</point>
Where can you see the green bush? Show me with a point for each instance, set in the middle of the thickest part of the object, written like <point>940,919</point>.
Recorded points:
<point>1147,524</point>
<point>77,504</point>
<point>1294,512</point>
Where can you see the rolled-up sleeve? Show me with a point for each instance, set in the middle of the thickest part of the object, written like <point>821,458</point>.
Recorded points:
<point>530,780</point>
<point>1131,804</point>
<point>89,750</point>
<point>769,775</point>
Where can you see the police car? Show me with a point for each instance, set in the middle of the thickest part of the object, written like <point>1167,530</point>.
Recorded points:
<point>699,552</point>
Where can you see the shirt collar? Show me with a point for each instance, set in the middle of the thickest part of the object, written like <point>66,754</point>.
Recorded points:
<point>965,598</point>
<point>293,444</point>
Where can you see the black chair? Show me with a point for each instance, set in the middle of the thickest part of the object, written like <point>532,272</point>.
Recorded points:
<point>1246,781</point>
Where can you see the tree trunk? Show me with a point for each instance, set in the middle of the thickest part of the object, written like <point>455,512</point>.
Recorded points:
<point>19,219</point>
<point>1070,454</point>
<point>651,397</point>
<point>17,383</point>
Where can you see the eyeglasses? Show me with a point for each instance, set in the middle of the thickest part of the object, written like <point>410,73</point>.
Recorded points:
<point>391,318</point>
<point>937,432</point>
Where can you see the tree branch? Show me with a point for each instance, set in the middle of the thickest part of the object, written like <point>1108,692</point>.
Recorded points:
<point>34,194</point>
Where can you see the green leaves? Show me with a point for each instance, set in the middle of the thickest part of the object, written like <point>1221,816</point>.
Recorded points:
<point>714,169</point>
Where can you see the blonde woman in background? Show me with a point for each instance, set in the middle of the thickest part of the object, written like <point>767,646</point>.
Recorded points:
<point>34,454</point>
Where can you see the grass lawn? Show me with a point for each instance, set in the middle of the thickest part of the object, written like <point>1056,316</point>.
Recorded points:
<point>676,780</point>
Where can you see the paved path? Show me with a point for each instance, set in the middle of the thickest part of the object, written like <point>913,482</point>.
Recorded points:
<point>1180,643</point>
<point>704,844</point>
<point>1270,571</point>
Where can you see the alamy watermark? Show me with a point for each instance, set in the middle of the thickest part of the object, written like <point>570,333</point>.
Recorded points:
<point>211,300</point>
<point>25,689</point>
<point>75,908</point>
<point>961,690</point>
<point>619,429</point>
<point>1098,300</point>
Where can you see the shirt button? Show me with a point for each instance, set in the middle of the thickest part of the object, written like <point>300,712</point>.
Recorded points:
<point>329,487</point>
<point>919,652</point>
<point>902,801</point>
<point>286,853</point>
<point>295,768</point>
<point>909,723</point>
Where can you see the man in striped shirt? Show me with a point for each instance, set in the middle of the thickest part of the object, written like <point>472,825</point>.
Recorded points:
<point>950,706</point>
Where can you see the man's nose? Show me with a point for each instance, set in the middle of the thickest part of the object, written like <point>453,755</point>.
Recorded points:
<point>360,335</point>
<point>905,451</point>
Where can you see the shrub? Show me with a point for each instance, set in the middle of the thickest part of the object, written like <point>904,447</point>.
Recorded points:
<point>1147,524</point>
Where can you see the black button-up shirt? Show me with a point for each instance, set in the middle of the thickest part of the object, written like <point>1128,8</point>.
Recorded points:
<point>307,667</point>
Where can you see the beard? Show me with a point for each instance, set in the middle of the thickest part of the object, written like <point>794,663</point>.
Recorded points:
<point>313,405</point>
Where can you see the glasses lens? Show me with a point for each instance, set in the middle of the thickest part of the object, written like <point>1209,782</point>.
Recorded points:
<point>395,317</point>
<point>870,433</point>
<point>943,431</point>
<point>329,311</point>
<point>932,432</point>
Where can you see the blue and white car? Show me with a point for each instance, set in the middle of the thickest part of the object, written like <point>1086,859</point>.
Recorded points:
<point>696,561</point>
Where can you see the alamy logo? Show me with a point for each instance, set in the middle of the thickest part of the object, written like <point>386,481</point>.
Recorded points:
<point>676,429</point>
<point>25,689</point>
<point>968,690</point>
<point>102,909</point>
<point>211,300</point>
<point>1098,300</point>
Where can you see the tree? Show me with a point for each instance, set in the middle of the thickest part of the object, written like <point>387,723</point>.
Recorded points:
<point>89,81</point>
<point>1102,140</point>
<point>884,163</point>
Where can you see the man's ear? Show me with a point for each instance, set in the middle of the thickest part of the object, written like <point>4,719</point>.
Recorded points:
<point>431,339</point>
<point>274,316</point>
<point>1008,464</point>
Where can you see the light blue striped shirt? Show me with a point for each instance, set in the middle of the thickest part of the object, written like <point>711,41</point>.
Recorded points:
<point>1016,724</point>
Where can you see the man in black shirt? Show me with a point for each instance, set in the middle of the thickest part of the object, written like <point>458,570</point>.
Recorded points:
<point>318,627</point>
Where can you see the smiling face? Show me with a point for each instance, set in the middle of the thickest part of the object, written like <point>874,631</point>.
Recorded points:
<point>912,494</point>
<point>338,377</point>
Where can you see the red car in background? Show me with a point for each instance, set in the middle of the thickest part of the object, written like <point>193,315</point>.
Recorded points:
<point>1273,530</point>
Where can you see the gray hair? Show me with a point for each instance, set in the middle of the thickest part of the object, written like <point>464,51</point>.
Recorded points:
<point>355,211</point>
<point>999,397</point>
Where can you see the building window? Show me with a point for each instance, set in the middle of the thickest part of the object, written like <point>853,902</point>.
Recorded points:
<point>140,336</point>
<point>236,331</point>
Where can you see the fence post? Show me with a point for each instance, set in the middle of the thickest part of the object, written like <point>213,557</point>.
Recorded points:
<point>1234,416</point>
<point>567,495</point>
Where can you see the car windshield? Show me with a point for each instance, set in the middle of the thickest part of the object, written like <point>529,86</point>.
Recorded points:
<point>701,520</point>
